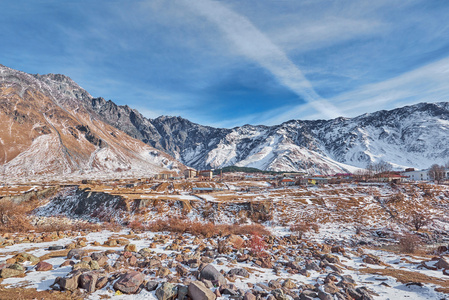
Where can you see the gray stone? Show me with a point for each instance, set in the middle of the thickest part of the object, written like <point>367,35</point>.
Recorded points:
<point>310,265</point>
<point>182,292</point>
<point>239,272</point>
<point>151,285</point>
<point>210,273</point>
<point>324,296</point>
<point>166,291</point>
<point>53,248</point>
<point>279,294</point>
<point>75,253</point>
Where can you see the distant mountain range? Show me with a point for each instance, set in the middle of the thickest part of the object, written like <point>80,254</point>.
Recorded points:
<point>411,136</point>
<point>52,117</point>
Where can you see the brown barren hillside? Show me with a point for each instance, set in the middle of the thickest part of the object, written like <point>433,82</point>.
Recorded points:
<point>46,128</point>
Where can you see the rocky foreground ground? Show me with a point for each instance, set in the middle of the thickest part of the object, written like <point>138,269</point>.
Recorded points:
<point>164,266</point>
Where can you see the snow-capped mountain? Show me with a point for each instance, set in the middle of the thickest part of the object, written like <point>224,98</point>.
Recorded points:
<point>42,114</point>
<point>412,136</point>
<point>47,127</point>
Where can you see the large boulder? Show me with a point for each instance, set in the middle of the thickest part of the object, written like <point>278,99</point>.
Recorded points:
<point>198,291</point>
<point>8,272</point>
<point>130,282</point>
<point>23,257</point>
<point>210,273</point>
<point>69,283</point>
<point>88,281</point>
<point>166,291</point>
<point>442,264</point>
<point>75,253</point>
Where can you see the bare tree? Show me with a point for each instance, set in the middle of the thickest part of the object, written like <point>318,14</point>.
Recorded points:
<point>419,220</point>
<point>437,173</point>
<point>377,168</point>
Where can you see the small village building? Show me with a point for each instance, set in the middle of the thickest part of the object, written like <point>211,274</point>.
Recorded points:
<point>190,173</point>
<point>394,177</point>
<point>207,174</point>
<point>165,175</point>
<point>287,182</point>
<point>422,175</point>
<point>318,180</point>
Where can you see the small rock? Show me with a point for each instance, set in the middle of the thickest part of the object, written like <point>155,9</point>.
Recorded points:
<point>44,266</point>
<point>53,248</point>
<point>182,292</point>
<point>151,285</point>
<point>249,296</point>
<point>69,283</point>
<point>131,248</point>
<point>23,257</point>
<point>167,291</point>
<point>239,272</point>
<point>289,284</point>
<point>442,264</point>
<point>67,263</point>
<point>75,253</point>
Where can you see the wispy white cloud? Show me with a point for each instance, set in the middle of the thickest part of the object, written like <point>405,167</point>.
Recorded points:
<point>428,83</point>
<point>252,43</point>
<point>425,84</point>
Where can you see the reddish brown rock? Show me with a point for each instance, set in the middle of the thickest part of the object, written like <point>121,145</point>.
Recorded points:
<point>130,282</point>
<point>44,266</point>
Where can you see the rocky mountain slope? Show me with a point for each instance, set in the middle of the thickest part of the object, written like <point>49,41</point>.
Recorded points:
<point>47,127</point>
<point>412,136</point>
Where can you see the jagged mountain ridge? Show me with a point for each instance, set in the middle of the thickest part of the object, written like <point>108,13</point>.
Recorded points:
<point>49,128</point>
<point>411,136</point>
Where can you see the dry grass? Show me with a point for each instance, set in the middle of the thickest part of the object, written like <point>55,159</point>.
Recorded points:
<point>52,254</point>
<point>178,225</point>
<point>409,243</point>
<point>27,293</point>
<point>404,276</point>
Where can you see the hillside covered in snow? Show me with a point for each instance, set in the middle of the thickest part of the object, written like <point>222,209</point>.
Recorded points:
<point>53,119</point>
<point>412,136</point>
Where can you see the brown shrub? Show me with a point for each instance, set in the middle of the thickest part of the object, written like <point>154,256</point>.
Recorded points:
<point>13,217</point>
<point>302,227</point>
<point>261,217</point>
<point>396,198</point>
<point>136,225</point>
<point>179,225</point>
<point>409,243</point>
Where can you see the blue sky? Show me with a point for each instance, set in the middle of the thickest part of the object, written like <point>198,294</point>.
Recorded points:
<point>229,63</point>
